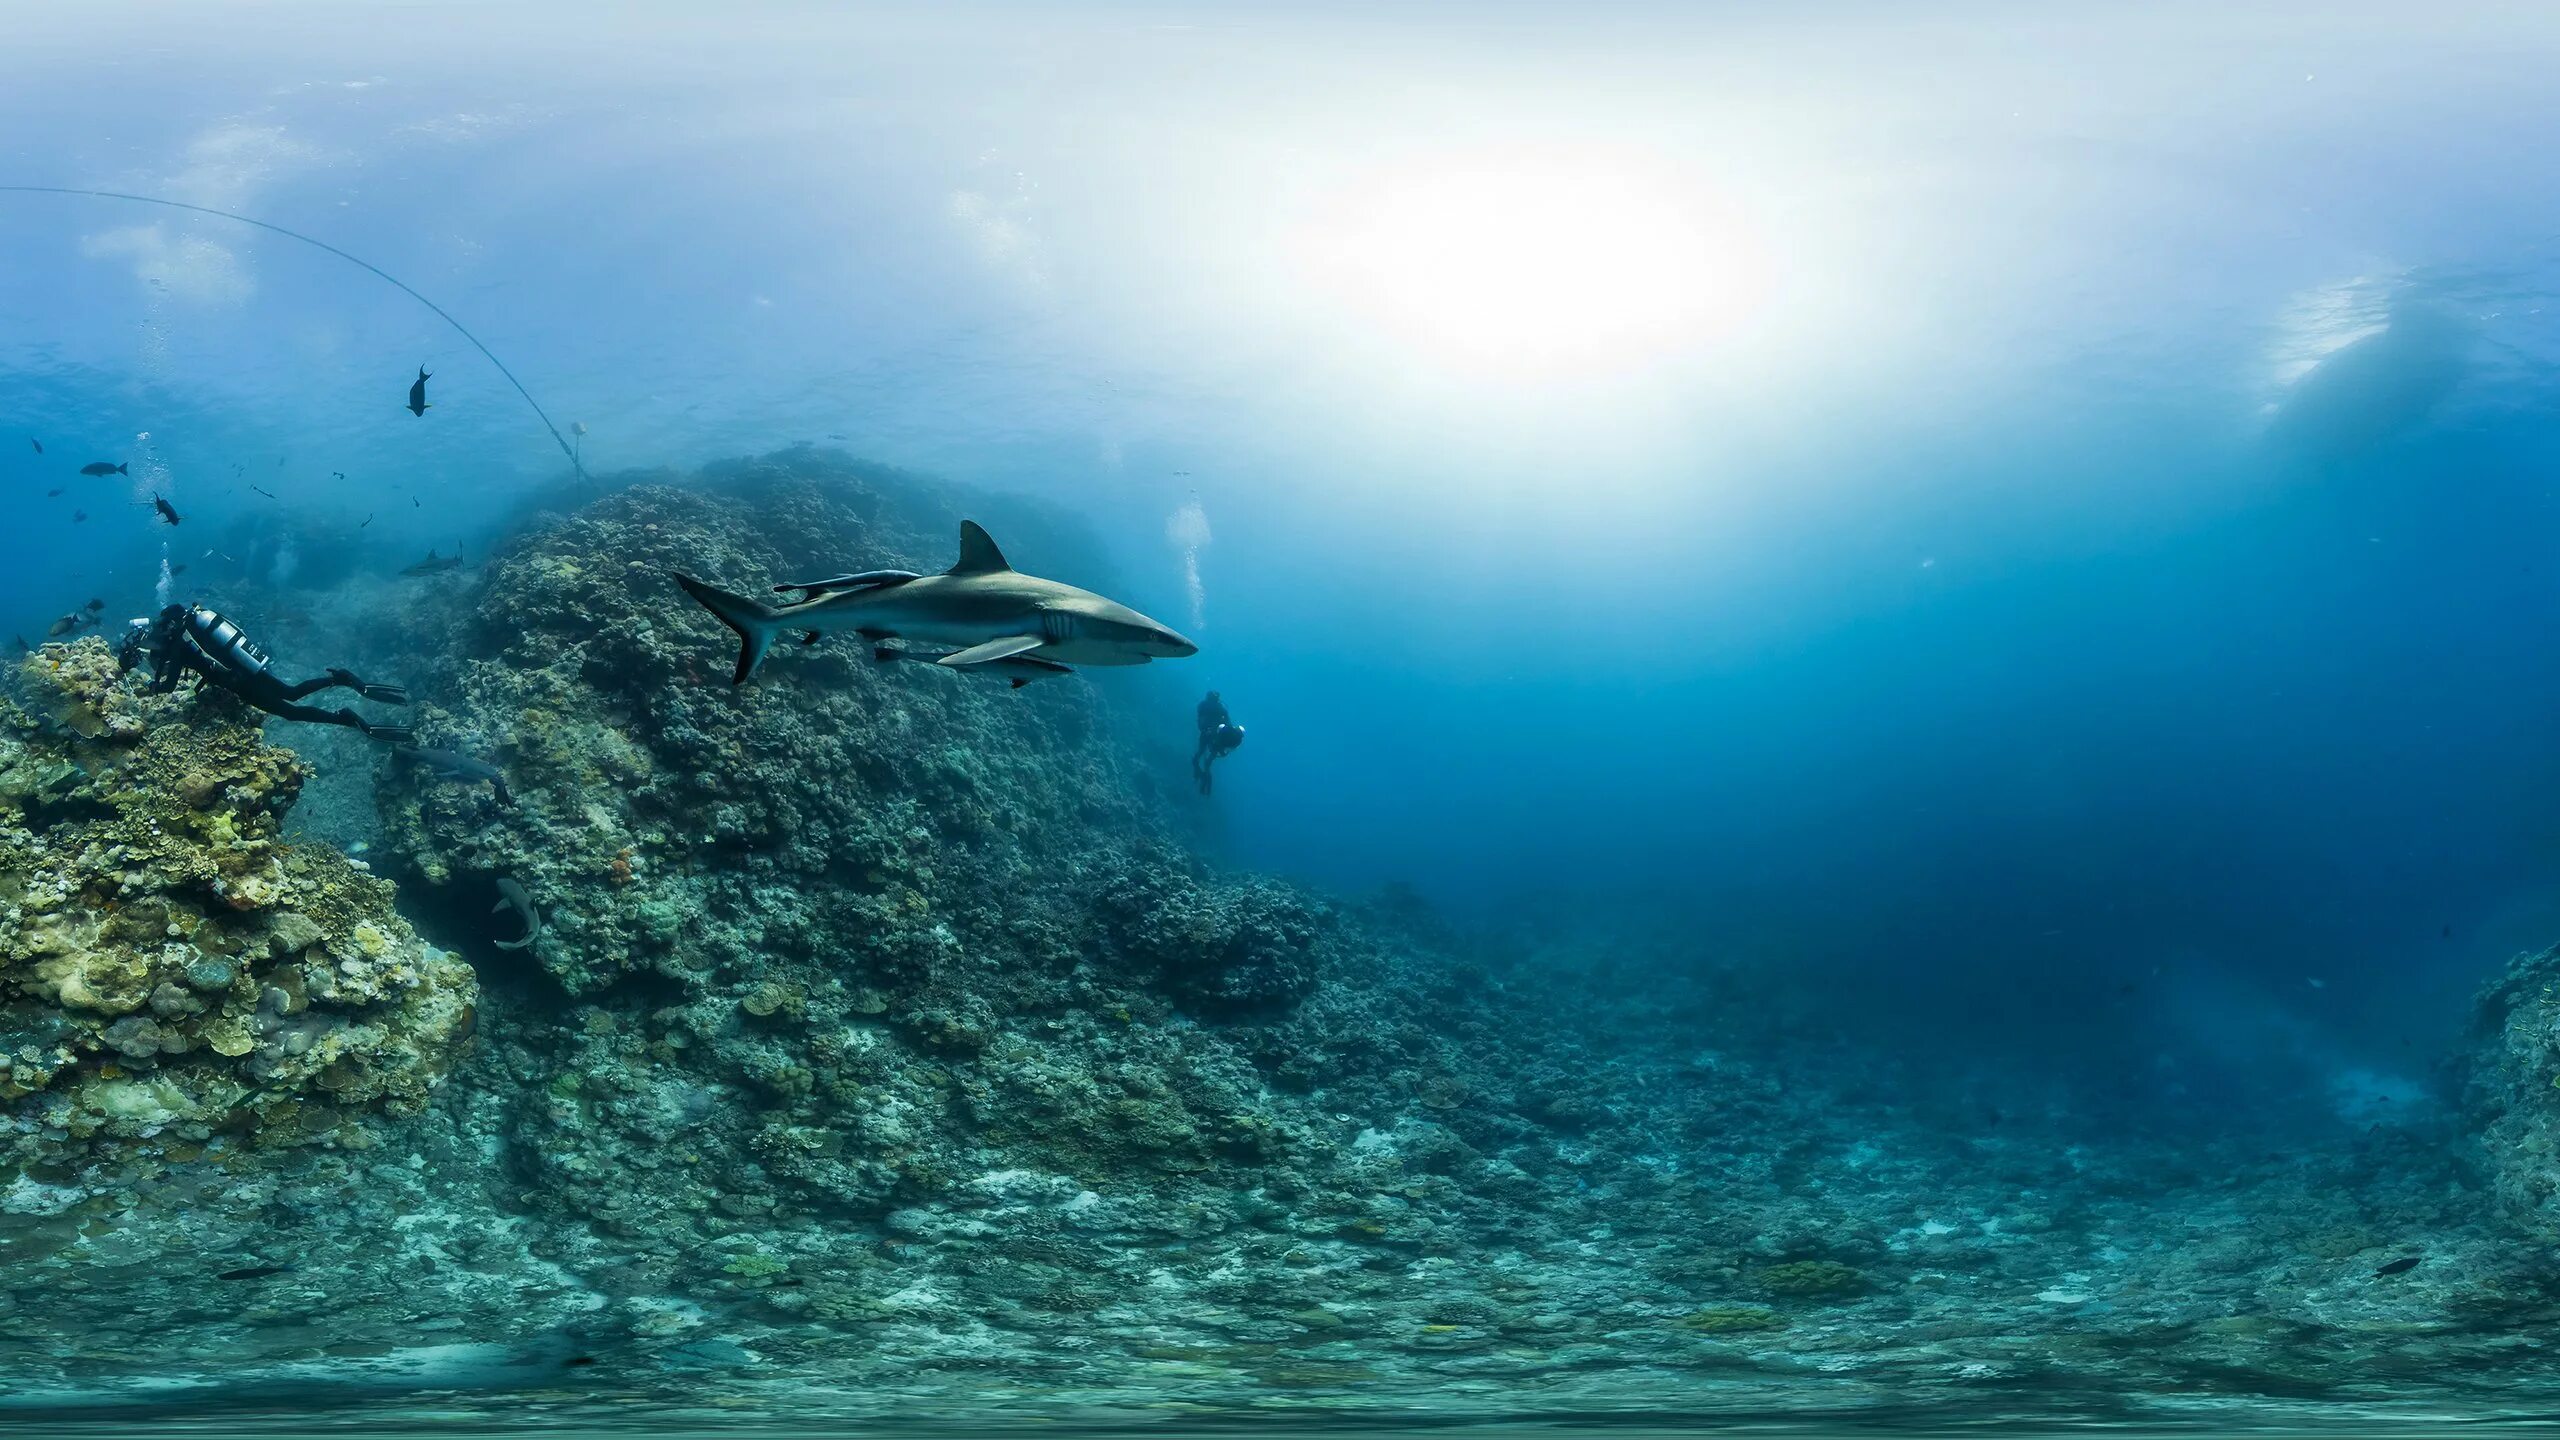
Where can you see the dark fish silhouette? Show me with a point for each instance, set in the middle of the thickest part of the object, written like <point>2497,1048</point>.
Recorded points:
<point>64,626</point>
<point>79,515</point>
<point>2401,1266</point>
<point>95,605</point>
<point>436,564</point>
<point>270,494</point>
<point>418,392</point>
<point>167,511</point>
<point>56,490</point>
<point>101,467</point>
<point>254,1272</point>
<point>460,768</point>
<point>23,647</point>
<point>512,896</point>
<point>36,443</point>
<point>178,569</point>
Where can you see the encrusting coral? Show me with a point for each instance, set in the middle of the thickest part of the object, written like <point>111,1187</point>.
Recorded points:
<point>172,975</point>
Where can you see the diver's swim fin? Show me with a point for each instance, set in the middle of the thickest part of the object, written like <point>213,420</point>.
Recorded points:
<point>395,734</point>
<point>387,694</point>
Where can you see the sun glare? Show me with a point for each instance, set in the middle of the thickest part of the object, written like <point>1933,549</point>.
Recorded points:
<point>1537,271</point>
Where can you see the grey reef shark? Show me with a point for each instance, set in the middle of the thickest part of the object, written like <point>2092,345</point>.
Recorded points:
<point>991,611</point>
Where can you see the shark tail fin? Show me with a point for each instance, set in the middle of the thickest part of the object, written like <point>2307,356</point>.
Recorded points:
<point>125,469</point>
<point>756,622</point>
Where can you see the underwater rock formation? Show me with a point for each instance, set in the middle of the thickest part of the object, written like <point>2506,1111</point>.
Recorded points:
<point>172,975</point>
<point>837,951</point>
<point>2514,1092</point>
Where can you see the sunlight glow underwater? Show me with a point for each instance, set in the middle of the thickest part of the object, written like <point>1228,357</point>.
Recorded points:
<point>1539,268</point>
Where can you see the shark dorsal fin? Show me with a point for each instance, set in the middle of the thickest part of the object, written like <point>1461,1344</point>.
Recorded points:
<point>978,554</point>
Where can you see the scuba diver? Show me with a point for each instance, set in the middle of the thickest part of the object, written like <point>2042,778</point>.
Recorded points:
<point>1219,737</point>
<point>192,637</point>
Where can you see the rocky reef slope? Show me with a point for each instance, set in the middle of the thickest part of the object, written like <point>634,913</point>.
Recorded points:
<point>174,979</point>
<point>868,1029</point>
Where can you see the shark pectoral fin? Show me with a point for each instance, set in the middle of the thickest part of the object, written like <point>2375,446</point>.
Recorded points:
<point>1001,648</point>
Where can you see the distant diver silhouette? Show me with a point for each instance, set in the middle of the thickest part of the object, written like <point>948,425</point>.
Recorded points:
<point>395,281</point>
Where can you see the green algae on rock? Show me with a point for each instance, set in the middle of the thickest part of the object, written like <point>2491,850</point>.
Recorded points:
<point>172,972</point>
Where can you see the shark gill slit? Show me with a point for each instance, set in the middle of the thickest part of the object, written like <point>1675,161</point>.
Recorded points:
<point>396,282</point>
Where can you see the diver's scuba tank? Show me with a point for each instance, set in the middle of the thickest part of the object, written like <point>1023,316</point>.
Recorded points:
<point>222,642</point>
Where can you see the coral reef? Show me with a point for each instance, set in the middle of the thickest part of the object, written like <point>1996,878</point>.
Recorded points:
<point>2513,1093</point>
<point>174,977</point>
<point>880,1040</point>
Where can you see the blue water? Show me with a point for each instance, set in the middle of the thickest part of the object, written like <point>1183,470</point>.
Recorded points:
<point>2079,593</point>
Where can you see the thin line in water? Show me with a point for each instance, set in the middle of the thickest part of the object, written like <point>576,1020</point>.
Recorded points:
<point>458,327</point>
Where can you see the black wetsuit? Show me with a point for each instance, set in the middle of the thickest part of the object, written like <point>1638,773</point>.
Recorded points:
<point>192,637</point>
<point>1219,737</point>
<point>1213,718</point>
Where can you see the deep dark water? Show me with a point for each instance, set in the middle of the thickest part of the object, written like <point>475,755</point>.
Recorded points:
<point>890,1052</point>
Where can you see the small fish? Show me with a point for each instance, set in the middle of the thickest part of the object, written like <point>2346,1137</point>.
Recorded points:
<point>167,511</point>
<point>418,392</point>
<point>512,896</point>
<point>36,443</point>
<point>95,605</point>
<point>270,494</point>
<point>368,519</point>
<point>178,569</point>
<point>23,647</point>
<point>101,467</point>
<point>79,515</point>
<point>63,626</point>
<point>254,1272</point>
<point>2448,932</point>
<point>56,490</point>
<point>436,564</point>
<point>337,474</point>
<point>2401,1266</point>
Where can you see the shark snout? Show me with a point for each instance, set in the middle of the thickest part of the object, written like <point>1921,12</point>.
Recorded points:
<point>1166,645</point>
